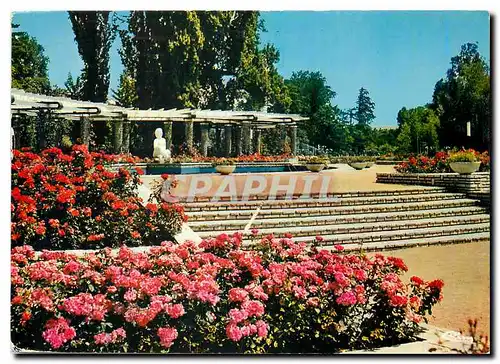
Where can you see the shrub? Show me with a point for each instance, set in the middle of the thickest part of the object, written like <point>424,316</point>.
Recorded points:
<point>256,157</point>
<point>223,162</point>
<point>440,163</point>
<point>485,162</point>
<point>361,158</point>
<point>279,297</point>
<point>392,157</point>
<point>464,156</point>
<point>351,159</point>
<point>317,160</point>
<point>424,164</point>
<point>71,201</point>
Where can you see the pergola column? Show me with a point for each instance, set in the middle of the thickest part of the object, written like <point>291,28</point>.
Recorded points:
<point>126,137</point>
<point>246,138</point>
<point>85,130</point>
<point>257,140</point>
<point>238,141</point>
<point>204,139</point>
<point>41,131</point>
<point>14,131</point>
<point>167,133</point>
<point>117,136</point>
<point>189,132</point>
<point>218,140</point>
<point>293,138</point>
<point>228,138</point>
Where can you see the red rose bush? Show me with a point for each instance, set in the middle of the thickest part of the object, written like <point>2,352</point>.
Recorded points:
<point>277,297</point>
<point>440,163</point>
<point>249,158</point>
<point>73,201</point>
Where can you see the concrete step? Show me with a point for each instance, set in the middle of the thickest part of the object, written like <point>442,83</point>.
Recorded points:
<point>391,192</point>
<point>409,243</point>
<point>312,202</point>
<point>235,225</point>
<point>386,236</point>
<point>325,211</point>
<point>375,228</point>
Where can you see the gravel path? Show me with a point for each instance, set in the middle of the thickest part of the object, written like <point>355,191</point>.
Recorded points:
<point>465,270</point>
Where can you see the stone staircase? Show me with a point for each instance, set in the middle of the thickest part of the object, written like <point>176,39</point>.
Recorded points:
<point>372,219</point>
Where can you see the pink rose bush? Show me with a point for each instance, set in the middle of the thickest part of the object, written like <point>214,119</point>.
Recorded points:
<point>276,297</point>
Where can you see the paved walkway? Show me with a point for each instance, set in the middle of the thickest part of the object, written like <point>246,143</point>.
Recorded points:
<point>435,339</point>
<point>465,270</point>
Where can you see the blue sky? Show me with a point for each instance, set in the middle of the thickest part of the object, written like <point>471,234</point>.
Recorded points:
<point>397,56</point>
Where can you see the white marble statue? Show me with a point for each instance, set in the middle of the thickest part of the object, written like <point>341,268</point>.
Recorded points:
<point>160,152</point>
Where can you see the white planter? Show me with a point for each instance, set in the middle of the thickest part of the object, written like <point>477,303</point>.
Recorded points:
<point>315,167</point>
<point>369,164</point>
<point>226,168</point>
<point>465,167</point>
<point>358,165</point>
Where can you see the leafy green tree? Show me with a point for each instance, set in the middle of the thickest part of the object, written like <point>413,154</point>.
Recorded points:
<point>28,63</point>
<point>348,115</point>
<point>74,88</point>
<point>365,107</point>
<point>126,94</point>
<point>383,141</point>
<point>58,91</point>
<point>361,138</point>
<point>94,35</point>
<point>465,96</point>
<point>161,51</point>
<point>236,72</point>
<point>29,72</point>
<point>311,96</point>
<point>201,59</point>
<point>258,77</point>
<point>418,130</point>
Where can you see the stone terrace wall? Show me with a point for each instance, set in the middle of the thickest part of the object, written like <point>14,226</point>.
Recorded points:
<point>475,185</point>
<point>383,162</point>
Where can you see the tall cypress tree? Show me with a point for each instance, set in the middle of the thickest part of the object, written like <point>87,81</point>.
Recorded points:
<point>94,35</point>
<point>365,107</point>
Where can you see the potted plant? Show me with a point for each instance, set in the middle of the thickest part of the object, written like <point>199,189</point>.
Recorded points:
<point>358,163</point>
<point>224,165</point>
<point>370,161</point>
<point>316,163</point>
<point>464,161</point>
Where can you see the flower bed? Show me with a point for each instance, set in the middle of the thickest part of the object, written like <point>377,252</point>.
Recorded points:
<point>279,297</point>
<point>256,157</point>
<point>341,159</point>
<point>440,163</point>
<point>71,201</point>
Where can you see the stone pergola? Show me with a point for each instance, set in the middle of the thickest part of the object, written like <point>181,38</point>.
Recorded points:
<point>247,126</point>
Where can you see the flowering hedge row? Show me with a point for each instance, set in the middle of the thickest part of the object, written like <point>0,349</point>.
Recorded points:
<point>71,201</point>
<point>279,297</point>
<point>256,157</point>
<point>440,163</point>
